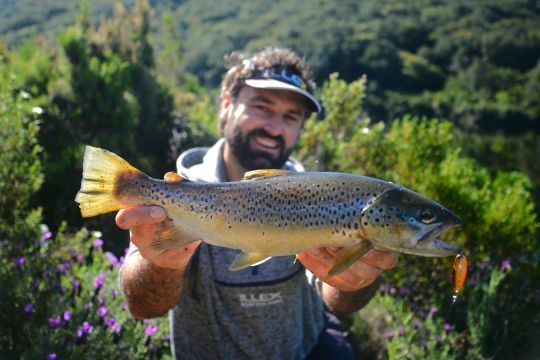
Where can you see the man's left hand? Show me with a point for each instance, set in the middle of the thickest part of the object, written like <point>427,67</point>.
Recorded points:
<point>360,274</point>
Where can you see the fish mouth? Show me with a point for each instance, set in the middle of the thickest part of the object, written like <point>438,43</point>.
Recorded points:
<point>428,244</point>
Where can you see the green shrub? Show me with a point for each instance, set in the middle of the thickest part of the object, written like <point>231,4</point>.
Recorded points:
<point>497,210</point>
<point>58,294</point>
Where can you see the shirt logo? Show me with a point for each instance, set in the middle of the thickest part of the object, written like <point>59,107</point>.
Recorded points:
<point>262,299</point>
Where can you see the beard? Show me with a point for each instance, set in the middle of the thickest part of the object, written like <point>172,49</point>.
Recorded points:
<point>254,159</point>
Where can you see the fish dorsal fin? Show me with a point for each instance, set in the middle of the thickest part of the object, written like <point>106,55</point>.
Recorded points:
<point>171,176</point>
<point>264,173</point>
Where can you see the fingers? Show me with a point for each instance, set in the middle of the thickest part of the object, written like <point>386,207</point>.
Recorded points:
<point>319,262</point>
<point>144,223</point>
<point>380,259</point>
<point>176,258</point>
<point>138,216</point>
<point>360,274</point>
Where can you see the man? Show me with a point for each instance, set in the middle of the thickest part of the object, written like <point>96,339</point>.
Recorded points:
<point>275,309</point>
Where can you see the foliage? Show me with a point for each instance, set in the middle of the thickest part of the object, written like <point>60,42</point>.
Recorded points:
<point>62,293</point>
<point>20,168</point>
<point>473,63</point>
<point>403,325</point>
<point>59,293</point>
<point>100,88</point>
<point>425,156</point>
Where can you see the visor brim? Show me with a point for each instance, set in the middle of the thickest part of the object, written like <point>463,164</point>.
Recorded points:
<point>280,85</point>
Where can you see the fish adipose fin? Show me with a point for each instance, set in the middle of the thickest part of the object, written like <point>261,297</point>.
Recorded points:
<point>170,236</point>
<point>348,256</point>
<point>101,170</point>
<point>243,260</point>
<point>264,173</point>
<point>171,176</point>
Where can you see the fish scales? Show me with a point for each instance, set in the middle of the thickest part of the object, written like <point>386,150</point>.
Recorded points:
<point>298,202</point>
<point>273,212</point>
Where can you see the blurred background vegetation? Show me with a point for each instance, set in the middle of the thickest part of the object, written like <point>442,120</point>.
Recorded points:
<point>440,96</point>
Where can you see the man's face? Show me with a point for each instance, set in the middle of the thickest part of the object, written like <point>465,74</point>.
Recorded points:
<point>262,126</point>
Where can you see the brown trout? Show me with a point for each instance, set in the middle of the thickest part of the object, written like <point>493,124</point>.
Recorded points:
<point>273,212</point>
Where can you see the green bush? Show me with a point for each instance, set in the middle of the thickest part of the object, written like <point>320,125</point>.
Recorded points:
<point>497,210</point>
<point>58,294</point>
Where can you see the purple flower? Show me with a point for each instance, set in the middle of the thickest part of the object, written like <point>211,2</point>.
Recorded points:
<point>109,322</point>
<point>54,322</point>
<point>102,311</point>
<point>62,268</point>
<point>28,308</point>
<point>75,284</point>
<point>447,327</point>
<point>116,328</point>
<point>51,356</point>
<point>389,334</point>
<point>45,233</point>
<point>85,328</point>
<point>400,330</point>
<point>403,291</point>
<point>99,280</point>
<point>46,236</point>
<point>20,261</point>
<point>150,329</point>
<point>506,265</point>
<point>433,310</point>
<point>438,338</point>
<point>115,293</point>
<point>67,315</point>
<point>112,259</point>
<point>98,243</point>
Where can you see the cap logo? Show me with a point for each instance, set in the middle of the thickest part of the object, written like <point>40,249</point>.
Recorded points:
<point>292,79</point>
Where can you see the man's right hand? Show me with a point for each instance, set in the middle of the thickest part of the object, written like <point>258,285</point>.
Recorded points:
<point>143,223</point>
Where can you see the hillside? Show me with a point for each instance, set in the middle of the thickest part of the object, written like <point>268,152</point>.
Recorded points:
<point>474,63</point>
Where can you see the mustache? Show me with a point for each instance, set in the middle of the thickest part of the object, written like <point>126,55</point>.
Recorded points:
<point>260,132</point>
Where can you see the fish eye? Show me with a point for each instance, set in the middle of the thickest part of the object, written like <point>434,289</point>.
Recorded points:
<point>427,216</point>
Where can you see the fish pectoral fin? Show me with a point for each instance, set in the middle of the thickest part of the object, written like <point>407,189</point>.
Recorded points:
<point>243,260</point>
<point>171,176</point>
<point>170,236</point>
<point>348,256</point>
<point>264,173</point>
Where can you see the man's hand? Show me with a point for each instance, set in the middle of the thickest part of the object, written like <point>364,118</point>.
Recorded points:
<point>360,274</point>
<point>144,222</point>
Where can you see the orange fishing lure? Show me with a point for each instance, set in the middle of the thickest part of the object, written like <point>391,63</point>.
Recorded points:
<point>459,274</point>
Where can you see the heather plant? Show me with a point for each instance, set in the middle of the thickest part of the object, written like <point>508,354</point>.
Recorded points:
<point>497,209</point>
<point>58,293</point>
<point>60,299</point>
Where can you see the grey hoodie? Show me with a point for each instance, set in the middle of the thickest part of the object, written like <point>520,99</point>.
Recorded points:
<point>269,311</point>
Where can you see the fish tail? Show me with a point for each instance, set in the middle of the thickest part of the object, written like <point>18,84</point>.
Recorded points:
<point>102,171</point>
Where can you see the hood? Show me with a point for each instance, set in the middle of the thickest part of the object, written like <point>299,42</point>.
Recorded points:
<point>206,164</point>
